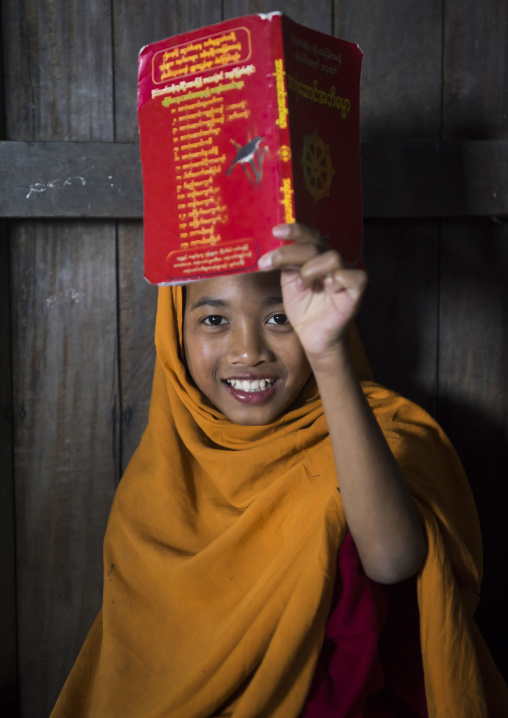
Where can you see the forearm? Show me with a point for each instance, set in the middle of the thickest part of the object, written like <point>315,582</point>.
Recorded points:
<point>379,509</point>
<point>321,296</point>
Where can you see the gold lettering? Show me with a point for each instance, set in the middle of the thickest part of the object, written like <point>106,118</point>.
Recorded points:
<point>282,105</point>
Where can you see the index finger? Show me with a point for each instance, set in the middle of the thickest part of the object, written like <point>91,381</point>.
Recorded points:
<point>297,232</point>
<point>304,243</point>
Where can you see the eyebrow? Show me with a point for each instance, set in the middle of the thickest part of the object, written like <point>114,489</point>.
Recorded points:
<point>209,302</point>
<point>223,304</point>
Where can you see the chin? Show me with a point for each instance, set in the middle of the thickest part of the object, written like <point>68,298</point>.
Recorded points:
<point>251,416</point>
<point>252,420</point>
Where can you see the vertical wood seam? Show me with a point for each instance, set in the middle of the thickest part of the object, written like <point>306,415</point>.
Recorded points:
<point>7,419</point>
<point>117,407</point>
<point>113,67</point>
<point>9,476</point>
<point>440,224</point>
<point>12,477</point>
<point>118,430</point>
<point>443,75</point>
<point>438,319</point>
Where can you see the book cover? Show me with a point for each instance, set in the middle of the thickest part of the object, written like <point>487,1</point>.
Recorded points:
<point>243,125</point>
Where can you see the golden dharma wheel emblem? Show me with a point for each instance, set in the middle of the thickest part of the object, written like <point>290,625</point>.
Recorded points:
<point>317,167</point>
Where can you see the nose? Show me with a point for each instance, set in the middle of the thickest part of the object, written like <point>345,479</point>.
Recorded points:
<point>247,345</point>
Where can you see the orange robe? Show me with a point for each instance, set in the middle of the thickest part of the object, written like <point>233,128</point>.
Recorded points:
<point>220,558</point>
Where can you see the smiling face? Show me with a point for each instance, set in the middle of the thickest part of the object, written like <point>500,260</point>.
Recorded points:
<point>240,349</point>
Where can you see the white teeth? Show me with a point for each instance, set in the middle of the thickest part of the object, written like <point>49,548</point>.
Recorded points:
<point>250,386</point>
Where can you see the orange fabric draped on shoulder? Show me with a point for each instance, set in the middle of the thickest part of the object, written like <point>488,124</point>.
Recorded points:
<point>220,556</point>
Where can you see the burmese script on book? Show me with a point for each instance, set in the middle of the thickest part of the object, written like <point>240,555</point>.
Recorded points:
<point>243,125</point>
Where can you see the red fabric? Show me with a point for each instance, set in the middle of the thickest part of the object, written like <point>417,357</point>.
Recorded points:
<point>370,664</point>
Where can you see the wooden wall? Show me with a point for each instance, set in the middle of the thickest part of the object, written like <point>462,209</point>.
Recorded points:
<point>76,318</point>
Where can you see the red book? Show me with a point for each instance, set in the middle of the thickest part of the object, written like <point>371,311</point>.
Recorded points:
<point>244,125</point>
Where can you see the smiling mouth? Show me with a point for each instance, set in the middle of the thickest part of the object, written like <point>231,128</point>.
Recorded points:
<point>250,387</point>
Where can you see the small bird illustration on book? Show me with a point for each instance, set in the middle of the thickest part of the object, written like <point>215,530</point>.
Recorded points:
<point>245,155</point>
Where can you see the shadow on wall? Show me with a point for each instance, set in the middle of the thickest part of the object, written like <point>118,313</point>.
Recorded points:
<point>435,326</point>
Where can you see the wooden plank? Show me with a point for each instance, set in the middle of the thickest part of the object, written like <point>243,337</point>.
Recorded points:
<point>431,179</point>
<point>70,179</point>
<point>59,85</point>
<point>57,63</point>
<point>400,95</point>
<point>400,179</point>
<point>64,374</point>
<point>8,651</point>
<point>473,394</point>
<point>474,357</point>
<point>475,87</point>
<point>138,304</point>
<point>398,320</point>
<point>317,14</point>
<point>9,703</point>
<point>135,25</point>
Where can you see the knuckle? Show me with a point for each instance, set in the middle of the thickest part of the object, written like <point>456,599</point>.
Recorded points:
<point>304,233</point>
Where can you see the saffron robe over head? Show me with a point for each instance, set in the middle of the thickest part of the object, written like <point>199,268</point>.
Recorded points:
<point>221,551</point>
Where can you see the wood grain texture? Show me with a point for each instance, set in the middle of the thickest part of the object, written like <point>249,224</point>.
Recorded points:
<point>8,650</point>
<point>398,320</point>
<point>474,314</point>
<point>59,80</point>
<point>70,179</point>
<point>66,450</point>
<point>473,380</point>
<point>9,697</point>
<point>435,179</point>
<point>54,65</point>
<point>138,305</point>
<point>475,70</point>
<point>317,14</point>
<point>401,77</point>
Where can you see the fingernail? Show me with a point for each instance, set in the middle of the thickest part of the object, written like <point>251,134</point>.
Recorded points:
<point>265,262</point>
<point>282,231</point>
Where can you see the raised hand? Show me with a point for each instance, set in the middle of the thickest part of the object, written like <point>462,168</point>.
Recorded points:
<point>321,295</point>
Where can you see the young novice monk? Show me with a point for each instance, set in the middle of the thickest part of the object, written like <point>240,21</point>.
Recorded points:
<point>271,496</point>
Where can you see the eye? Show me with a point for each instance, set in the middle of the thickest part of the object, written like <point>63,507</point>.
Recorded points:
<point>279,319</point>
<point>214,320</point>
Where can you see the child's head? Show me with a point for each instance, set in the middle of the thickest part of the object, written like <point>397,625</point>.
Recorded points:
<point>240,350</point>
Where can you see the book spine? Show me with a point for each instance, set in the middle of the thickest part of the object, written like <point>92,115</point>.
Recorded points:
<point>286,188</point>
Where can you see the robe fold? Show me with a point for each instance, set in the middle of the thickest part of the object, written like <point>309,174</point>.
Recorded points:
<point>220,560</point>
